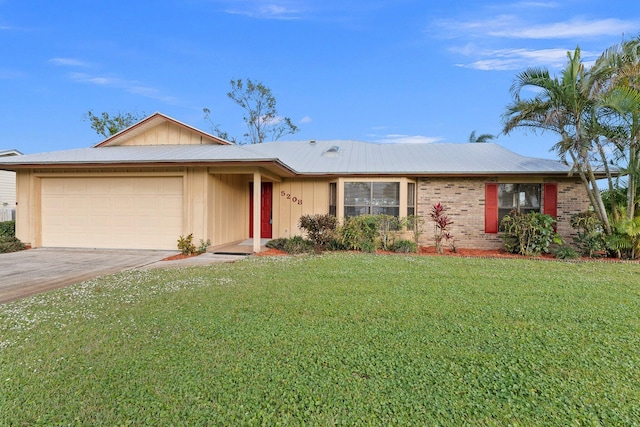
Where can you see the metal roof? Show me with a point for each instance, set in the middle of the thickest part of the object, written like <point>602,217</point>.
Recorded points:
<point>338,157</point>
<point>354,157</point>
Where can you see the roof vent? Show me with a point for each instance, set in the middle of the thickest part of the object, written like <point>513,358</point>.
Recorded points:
<point>332,152</point>
<point>312,142</point>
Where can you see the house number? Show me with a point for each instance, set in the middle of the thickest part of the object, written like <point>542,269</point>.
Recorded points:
<point>293,199</point>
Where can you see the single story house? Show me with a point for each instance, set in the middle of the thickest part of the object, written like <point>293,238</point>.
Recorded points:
<point>160,179</point>
<point>7,188</point>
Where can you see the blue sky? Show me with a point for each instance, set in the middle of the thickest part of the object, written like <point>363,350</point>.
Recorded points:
<point>374,70</point>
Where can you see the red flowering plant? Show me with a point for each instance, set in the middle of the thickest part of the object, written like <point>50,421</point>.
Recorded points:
<point>441,223</point>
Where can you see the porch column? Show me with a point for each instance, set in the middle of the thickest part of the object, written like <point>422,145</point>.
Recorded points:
<point>257,212</point>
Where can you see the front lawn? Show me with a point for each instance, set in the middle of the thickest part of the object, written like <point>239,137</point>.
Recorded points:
<point>352,339</point>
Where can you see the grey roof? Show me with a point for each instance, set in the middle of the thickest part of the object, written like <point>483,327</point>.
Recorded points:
<point>318,158</point>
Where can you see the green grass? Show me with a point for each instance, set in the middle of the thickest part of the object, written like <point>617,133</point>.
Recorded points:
<point>350,339</point>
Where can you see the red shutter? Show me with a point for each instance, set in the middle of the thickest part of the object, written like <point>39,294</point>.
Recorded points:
<point>551,200</point>
<point>491,208</point>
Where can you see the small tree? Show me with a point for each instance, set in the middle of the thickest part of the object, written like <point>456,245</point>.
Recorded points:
<point>441,223</point>
<point>261,115</point>
<point>107,125</point>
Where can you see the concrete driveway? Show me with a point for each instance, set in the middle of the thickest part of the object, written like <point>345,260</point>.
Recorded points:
<point>39,270</point>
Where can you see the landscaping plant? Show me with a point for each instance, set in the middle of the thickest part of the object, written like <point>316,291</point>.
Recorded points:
<point>590,237</point>
<point>320,228</point>
<point>8,240</point>
<point>360,233</point>
<point>441,223</point>
<point>528,234</point>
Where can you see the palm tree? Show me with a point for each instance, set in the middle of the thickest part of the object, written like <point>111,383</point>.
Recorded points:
<point>481,138</point>
<point>617,73</point>
<point>563,105</point>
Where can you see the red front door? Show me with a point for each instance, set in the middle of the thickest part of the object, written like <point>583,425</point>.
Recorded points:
<point>265,210</point>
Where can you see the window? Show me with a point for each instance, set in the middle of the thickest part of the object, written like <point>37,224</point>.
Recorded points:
<point>411,199</point>
<point>333,198</point>
<point>522,198</point>
<point>362,198</point>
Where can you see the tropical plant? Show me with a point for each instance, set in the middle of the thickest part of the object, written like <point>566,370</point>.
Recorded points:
<point>485,137</point>
<point>441,223</point>
<point>617,73</point>
<point>563,105</point>
<point>626,236</point>
<point>590,239</point>
<point>528,234</point>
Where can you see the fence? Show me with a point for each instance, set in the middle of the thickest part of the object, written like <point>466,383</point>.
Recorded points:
<point>7,214</point>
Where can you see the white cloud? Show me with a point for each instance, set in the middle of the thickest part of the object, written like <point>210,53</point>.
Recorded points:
<point>513,59</point>
<point>408,139</point>
<point>261,9</point>
<point>130,86</point>
<point>305,119</point>
<point>68,62</point>
<point>571,29</point>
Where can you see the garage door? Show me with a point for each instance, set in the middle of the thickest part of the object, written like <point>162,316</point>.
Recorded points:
<point>119,213</point>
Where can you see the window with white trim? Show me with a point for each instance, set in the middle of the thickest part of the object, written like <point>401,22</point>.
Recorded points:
<point>363,198</point>
<point>522,198</point>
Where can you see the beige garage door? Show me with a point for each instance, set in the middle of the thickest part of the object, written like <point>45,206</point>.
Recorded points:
<point>119,213</point>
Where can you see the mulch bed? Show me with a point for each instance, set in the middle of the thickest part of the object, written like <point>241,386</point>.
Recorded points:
<point>470,253</point>
<point>178,256</point>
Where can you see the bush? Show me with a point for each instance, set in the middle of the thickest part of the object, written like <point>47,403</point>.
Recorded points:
<point>320,228</point>
<point>8,228</point>
<point>298,245</point>
<point>528,234</point>
<point>292,245</point>
<point>360,232</point>
<point>404,246</point>
<point>278,243</point>
<point>590,239</point>
<point>388,226</point>
<point>10,244</point>
<point>186,246</point>
<point>565,252</point>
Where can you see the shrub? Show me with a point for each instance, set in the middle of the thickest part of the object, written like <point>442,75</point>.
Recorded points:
<point>10,244</point>
<point>186,246</point>
<point>388,226</point>
<point>565,252</point>
<point>320,228</point>
<point>415,224</point>
<point>404,246</point>
<point>8,228</point>
<point>589,239</point>
<point>298,245</point>
<point>292,245</point>
<point>278,243</point>
<point>441,223</point>
<point>360,233</point>
<point>203,246</point>
<point>528,234</point>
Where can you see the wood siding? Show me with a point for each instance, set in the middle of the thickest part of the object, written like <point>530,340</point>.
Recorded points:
<point>293,198</point>
<point>167,134</point>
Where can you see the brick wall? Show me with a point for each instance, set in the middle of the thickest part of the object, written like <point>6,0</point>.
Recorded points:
<point>465,198</point>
